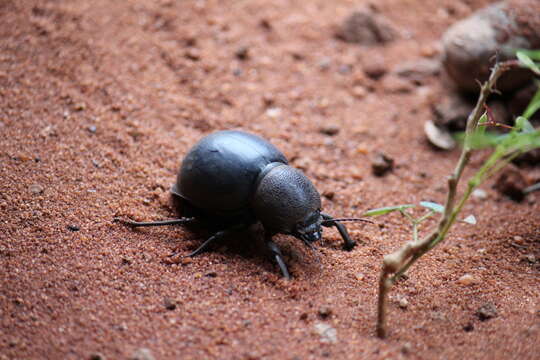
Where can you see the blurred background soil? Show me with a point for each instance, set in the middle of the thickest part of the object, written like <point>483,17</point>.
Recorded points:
<point>99,100</point>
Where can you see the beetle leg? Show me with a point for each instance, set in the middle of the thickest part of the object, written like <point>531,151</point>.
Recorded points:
<point>132,223</point>
<point>274,249</point>
<point>349,243</point>
<point>205,245</point>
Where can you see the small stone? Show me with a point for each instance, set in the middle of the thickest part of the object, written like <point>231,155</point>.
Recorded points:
<point>273,112</point>
<point>96,356</point>
<point>359,91</point>
<point>186,260</point>
<point>142,354</point>
<point>324,63</point>
<point>73,228</point>
<point>169,304</point>
<point>193,54</point>
<point>325,312</point>
<point>92,129</point>
<point>328,333</point>
<point>403,303</point>
<point>438,136</point>
<point>406,348</point>
<point>479,194</point>
<point>303,316</point>
<point>374,67</point>
<point>530,258</point>
<point>242,53</point>
<point>80,106</point>
<point>329,194</point>
<point>486,312</point>
<point>330,129</point>
<point>211,274</point>
<point>366,28</point>
<point>381,164</point>
<point>36,189</point>
<point>467,280</point>
<point>468,327</point>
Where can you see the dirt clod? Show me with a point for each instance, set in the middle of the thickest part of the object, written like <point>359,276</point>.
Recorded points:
<point>486,312</point>
<point>381,164</point>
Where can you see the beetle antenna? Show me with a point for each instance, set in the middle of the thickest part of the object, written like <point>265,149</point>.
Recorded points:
<point>349,219</point>
<point>132,223</point>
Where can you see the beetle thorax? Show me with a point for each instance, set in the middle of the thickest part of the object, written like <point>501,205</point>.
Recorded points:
<point>285,199</point>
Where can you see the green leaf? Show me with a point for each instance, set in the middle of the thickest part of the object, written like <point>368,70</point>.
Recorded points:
<point>526,61</point>
<point>432,206</point>
<point>523,125</point>
<point>533,106</point>
<point>533,54</point>
<point>386,210</point>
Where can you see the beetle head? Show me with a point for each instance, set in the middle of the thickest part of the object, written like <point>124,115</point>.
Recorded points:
<point>309,230</point>
<point>286,202</point>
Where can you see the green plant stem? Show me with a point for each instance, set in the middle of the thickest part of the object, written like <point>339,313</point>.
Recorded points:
<point>400,261</point>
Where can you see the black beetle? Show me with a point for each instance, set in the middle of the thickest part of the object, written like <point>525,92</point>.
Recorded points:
<point>232,179</point>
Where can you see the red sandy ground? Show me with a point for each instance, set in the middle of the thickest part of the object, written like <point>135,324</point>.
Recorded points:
<point>155,76</point>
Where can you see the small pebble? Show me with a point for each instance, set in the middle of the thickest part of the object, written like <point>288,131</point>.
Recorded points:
<point>530,258</point>
<point>479,194</point>
<point>36,189</point>
<point>486,312</point>
<point>325,312</point>
<point>73,228</point>
<point>242,53</point>
<point>381,164</point>
<point>468,327</point>
<point>211,274</point>
<point>169,304</point>
<point>403,303</point>
<point>330,129</point>
<point>467,280</point>
<point>92,129</point>
<point>142,354</point>
<point>328,333</point>
<point>96,356</point>
<point>273,112</point>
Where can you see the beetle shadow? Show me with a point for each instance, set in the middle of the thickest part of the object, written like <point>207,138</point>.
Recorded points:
<point>248,245</point>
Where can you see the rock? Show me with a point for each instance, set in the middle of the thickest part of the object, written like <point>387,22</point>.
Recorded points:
<point>242,53</point>
<point>417,71</point>
<point>468,327</point>
<point>381,164</point>
<point>367,28</point>
<point>511,183</point>
<point>328,333</point>
<point>330,129</point>
<point>452,113</point>
<point>325,312</point>
<point>374,66</point>
<point>470,46</point>
<point>486,312</point>
<point>96,356</point>
<point>479,194</point>
<point>403,303</point>
<point>439,137</point>
<point>73,228</point>
<point>142,354</point>
<point>169,304</point>
<point>36,189</point>
<point>92,129</point>
<point>467,280</point>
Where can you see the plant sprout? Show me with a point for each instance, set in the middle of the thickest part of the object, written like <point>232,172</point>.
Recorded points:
<point>522,138</point>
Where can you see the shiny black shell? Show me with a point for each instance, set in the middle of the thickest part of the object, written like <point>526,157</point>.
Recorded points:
<point>219,174</point>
